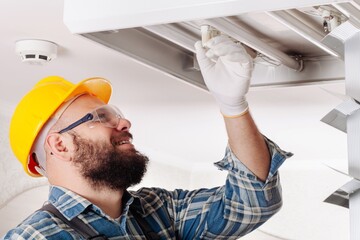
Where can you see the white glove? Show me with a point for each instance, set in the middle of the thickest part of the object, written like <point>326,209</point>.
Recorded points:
<point>227,69</point>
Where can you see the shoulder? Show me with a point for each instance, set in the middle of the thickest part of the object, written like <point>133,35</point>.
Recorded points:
<point>177,196</point>
<point>150,194</point>
<point>40,225</point>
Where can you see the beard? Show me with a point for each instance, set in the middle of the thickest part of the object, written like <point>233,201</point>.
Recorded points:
<point>105,165</point>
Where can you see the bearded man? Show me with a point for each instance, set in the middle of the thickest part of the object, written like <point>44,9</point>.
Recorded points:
<point>70,134</point>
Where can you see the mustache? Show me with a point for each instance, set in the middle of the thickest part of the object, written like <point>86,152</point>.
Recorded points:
<point>122,136</point>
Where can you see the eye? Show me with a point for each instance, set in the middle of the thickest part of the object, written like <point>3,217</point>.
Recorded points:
<point>104,117</point>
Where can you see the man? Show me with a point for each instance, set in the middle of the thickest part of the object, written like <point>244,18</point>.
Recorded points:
<point>83,146</point>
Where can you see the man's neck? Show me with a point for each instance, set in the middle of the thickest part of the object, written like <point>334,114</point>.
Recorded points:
<point>108,200</point>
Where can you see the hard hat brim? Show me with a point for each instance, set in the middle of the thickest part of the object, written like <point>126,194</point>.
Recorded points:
<point>98,87</point>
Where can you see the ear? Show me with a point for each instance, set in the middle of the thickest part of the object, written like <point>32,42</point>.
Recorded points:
<point>58,146</point>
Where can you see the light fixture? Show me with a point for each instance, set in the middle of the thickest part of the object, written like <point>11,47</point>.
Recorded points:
<point>235,31</point>
<point>292,22</point>
<point>174,34</point>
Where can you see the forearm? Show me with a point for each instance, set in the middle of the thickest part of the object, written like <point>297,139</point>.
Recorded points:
<point>248,144</point>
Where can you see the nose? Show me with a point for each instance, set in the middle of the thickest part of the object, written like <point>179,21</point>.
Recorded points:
<point>123,125</point>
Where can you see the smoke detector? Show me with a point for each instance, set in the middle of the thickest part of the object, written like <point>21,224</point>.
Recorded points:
<point>36,51</point>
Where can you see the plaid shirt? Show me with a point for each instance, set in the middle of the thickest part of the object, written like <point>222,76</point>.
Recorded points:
<point>226,212</point>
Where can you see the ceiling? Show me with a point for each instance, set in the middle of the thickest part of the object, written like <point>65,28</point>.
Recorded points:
<point>180,123</point>
<point>293,43</point>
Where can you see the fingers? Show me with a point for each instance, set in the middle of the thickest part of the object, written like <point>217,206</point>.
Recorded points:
<point>221,39</point>
<point>204,61</point>
<point>223,46</point>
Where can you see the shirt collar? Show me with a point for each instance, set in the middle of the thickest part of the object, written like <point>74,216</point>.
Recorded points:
<point>131,198</point>
<point>67,202</point>
<point>71,204</point>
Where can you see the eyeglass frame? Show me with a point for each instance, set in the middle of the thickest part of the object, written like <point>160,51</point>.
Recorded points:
<point>90,116</point>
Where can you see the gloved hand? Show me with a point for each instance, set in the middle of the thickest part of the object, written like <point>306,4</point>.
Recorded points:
<point>226,68</point>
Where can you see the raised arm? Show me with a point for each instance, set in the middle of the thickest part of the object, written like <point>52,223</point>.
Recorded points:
<point>227,69</point>
<point>248,144</point>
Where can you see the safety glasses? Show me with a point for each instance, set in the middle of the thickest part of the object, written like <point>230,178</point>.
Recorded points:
<point>107,115</point>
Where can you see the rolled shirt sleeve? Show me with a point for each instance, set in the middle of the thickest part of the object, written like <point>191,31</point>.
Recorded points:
<point>237,168</point>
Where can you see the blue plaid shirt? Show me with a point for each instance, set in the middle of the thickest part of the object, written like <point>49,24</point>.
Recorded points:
<point>226,212</point>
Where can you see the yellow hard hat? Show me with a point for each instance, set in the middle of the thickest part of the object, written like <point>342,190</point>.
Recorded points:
<point>38,105</point>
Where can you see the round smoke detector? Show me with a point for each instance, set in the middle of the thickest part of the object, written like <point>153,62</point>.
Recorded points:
<point>36,51</point>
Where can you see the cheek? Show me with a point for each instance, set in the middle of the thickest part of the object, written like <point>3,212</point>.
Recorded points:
<point>70,144</point>
<point>96,134</point>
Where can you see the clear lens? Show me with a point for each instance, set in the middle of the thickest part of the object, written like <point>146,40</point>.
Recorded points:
<point>107,115</point>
